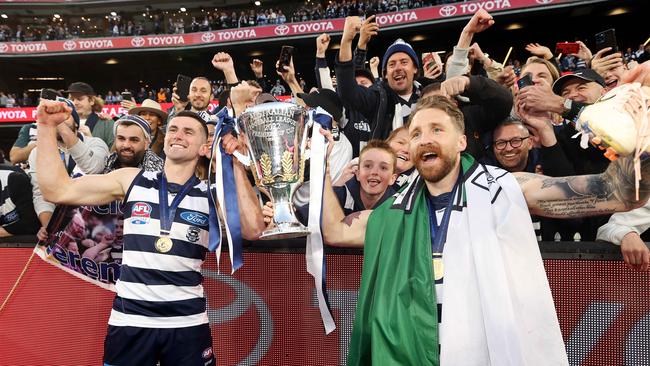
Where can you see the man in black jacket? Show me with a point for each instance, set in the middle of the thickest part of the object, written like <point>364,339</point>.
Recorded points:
<point>388,104</point>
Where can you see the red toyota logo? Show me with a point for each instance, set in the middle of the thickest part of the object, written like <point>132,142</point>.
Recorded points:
<point>208,37</point>
<point>281,30</point>
<point>543,2</point>
<point>3,47</point>
<point>137,42</point>
<point>448,10</point>
<point>69,45</point>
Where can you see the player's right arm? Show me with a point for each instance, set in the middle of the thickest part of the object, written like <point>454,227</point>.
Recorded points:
<point>340,230</point>
<point>53,180</point>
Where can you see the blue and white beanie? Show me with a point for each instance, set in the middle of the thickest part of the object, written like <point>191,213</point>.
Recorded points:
<point>399,46</point>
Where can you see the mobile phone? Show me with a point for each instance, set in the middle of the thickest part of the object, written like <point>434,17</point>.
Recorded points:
<point>183,87</point>
<point>567,48</point>
<point>605,39</point>
<point>285,57</point>
<point>431,57</point>
<point>427,58</point>
<point>126,95</point>
<point>49,94</point>
<point>369,13</point>
<point>524,81</point>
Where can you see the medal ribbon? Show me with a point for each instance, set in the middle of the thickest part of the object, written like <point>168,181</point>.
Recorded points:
<point>315,251</point>
<point>167,213</point>
<point>226,195</point>
<point>439,232</point>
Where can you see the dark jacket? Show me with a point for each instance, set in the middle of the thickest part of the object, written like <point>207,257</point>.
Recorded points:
<point>489,104</point>
<point>355,126</point>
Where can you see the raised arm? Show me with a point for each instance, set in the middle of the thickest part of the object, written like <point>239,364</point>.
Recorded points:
<point>53,180</point>
<point>250,212</point>
<point>339,230</point>
<point>223,62</point>
<point>586,195</point>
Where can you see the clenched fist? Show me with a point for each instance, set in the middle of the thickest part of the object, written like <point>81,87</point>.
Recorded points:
<point>51,113</point>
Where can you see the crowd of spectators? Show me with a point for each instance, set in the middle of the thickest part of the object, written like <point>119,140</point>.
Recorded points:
<point>10,100</point>
<point>520,128</point>
<point>197,20</point>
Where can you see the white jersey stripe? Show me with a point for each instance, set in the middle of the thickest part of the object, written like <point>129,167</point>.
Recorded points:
<point>126,320</point>
<point>163,262</point>
<point>139,291</point>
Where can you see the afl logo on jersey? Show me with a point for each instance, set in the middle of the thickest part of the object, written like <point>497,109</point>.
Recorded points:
<point>140,213</point>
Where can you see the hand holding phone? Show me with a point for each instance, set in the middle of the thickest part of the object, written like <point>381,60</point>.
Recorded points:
<point>285,58</point>
<point>183,87</point>
<point>567,48</point>
<point>606,39</point>
<point>524,81</point>
<point>49,94</point>
<point>430,57</point>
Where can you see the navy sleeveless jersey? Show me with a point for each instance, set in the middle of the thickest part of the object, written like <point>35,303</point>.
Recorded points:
<point>162,290</point>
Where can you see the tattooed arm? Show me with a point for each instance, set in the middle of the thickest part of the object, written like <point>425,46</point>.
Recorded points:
<point>586,195</point>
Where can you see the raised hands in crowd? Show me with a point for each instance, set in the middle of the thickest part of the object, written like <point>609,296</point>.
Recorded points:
<point>483,88</point>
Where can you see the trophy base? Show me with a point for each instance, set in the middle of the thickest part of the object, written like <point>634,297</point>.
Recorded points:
<point>285,231</point>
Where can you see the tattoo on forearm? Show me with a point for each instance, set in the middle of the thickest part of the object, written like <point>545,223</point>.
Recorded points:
<point>581,186</point>
<point>596,194</point>
<point>621,174</point>
<point>573,207</point>
<point>351,217</point>
<point>522,178</point>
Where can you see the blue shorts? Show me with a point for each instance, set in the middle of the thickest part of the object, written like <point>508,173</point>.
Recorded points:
<point>189,346</point>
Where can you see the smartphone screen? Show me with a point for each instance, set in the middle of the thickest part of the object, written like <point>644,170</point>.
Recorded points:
<point>524,81</point>
<point>126,96</point>
<point>427,58</point>
<point>285,57</point>
<point>183,87</point>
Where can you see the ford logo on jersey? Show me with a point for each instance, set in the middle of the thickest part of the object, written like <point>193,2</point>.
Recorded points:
<point>195,218</point>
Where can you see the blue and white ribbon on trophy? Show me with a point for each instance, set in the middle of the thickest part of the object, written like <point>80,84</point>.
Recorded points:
<point>314,252</point>
<point>226,195</point>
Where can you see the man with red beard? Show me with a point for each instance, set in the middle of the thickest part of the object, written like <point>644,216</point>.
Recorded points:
<point>467,226</point>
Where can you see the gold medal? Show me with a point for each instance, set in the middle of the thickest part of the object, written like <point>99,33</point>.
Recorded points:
<point>164,244</point>
<point>438,268</point>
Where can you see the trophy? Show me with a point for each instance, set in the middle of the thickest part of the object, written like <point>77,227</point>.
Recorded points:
<point>277,139</point>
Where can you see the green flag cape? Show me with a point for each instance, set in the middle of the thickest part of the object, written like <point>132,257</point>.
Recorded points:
<point>397,318</point>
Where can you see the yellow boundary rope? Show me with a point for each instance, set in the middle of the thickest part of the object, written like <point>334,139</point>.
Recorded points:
<point>20,277</point>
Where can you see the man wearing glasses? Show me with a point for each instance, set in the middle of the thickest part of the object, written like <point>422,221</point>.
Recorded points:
<point>513,148</point>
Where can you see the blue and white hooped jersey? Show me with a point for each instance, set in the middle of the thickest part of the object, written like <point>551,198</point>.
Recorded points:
<point>162,290</point>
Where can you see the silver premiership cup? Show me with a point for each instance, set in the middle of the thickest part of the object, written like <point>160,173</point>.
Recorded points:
<point>276,138</point>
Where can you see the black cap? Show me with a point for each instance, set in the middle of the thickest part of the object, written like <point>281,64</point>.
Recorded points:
<point>80,88</point>
<point>326,99</point>
<point>584,74</point>
<point>365,73</point>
